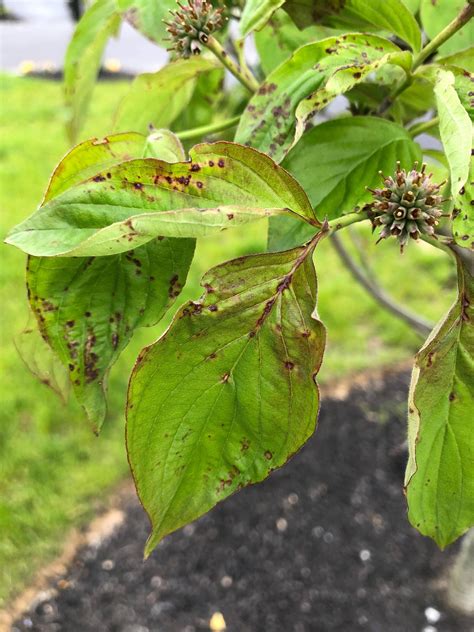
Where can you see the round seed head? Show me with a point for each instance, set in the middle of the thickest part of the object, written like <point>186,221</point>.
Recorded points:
<point>409,205</point>
<point>191,26</point>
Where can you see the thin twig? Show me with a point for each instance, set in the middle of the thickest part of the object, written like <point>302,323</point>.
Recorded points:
<point>206,130</point>
<point>424,126</point>
<point>420,325</point>
<point>453,27</point>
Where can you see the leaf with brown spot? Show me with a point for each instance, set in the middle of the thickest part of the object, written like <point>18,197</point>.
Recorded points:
<point>269,121</point>
<point>440,473</point>
<point>112,215</point>
<point>104,304</point>
<point>41,361</point>
<point>88,308</point>
<point>227,422</point>
<point>90,157</point>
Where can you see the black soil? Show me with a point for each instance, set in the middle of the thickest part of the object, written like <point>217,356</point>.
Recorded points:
<point>322,545</point>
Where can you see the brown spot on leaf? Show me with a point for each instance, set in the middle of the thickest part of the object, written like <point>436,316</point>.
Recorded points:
<point>174,287</point>
<point>268,455</point>
<point>225,378</point>
<point>47,306</point>
<point>267,88</point>
<point>90,358</point>
<point>244,445</point>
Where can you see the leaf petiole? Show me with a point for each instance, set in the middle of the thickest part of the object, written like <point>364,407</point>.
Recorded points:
<point>206,130</point>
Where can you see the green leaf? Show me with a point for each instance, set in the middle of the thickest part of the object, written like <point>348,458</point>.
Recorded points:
<point>387,15</point>
<point>455,129</point>
<point>156,99</point>
<point>463,213</point>
<point>228,393</point>
<point>436,15</point>
<point>88,309</point>
<point>208,98</point>
<point>335,161</point>
<point>83,58</point>
<point>440,472</point>
<point>412,5</point>
<point>256,14</point>
<point>268,122</point>
<point>463,82</point>
<point>463,59</point>
<point>41,361</point>
<point>223,184</point>
<point>96,154</point>
<point>281,37</point>
<point>147,16</point>
<point>343,80</point>
<point>164,145</point>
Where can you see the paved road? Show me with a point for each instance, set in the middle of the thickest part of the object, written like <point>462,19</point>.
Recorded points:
<point>45,28</point>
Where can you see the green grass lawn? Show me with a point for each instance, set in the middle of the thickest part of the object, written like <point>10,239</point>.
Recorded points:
<point>52,468</point>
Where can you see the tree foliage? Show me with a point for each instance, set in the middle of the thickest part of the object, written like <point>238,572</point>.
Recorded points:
<point>229,392</point>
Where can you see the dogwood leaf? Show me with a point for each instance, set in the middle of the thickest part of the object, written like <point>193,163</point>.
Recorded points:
<point>343,80</point>
<point>83,58</point>
<point>96,154</point>
<point>256,14</point>
<point>386,15</point>
<point>440,472</point>
<point>88,308</point>
<point>156,99</point>
<point>228,393</point>
<point>281,37</point>
<point>455,129</point>
<point>147,16</point>
<point>121,208</point>
<point>463,213</point>
<point>268,122</point>
<point>335,162</point>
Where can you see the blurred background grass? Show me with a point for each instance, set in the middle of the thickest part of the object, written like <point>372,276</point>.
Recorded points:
<point>53,470</point>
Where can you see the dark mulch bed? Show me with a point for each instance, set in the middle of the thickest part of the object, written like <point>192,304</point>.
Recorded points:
<point>322,545</point>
